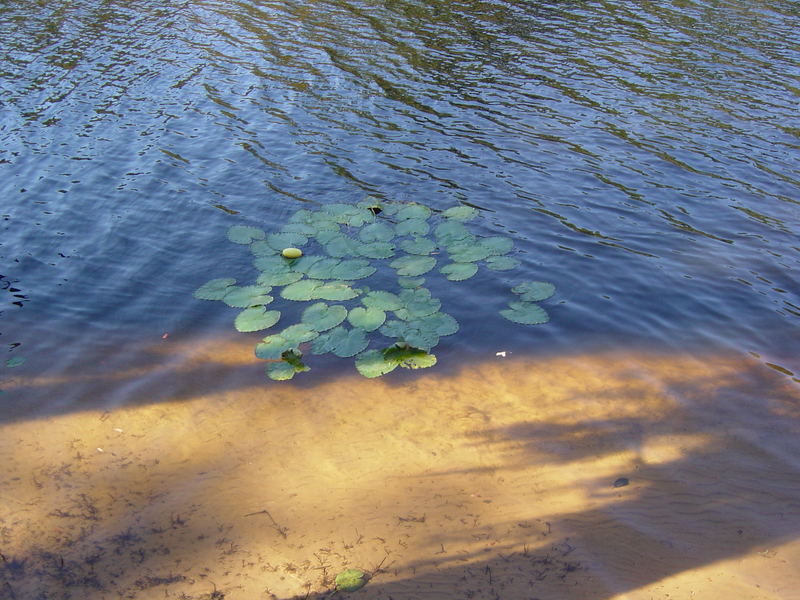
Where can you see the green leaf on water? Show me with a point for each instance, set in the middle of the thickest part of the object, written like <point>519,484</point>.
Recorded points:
<point>498,245</point>
<point>534,291</point>
<point>299,333</point>
<point>525,313</point>
<point>376,232</point>
<point>243,234</point>
<point>262,248</point>
<point>302,290</point>
<point>256,318</point>
<point>342,246</point>
<point>247,295</point>
<point>459,271</point>
<point>304,229</point>
<point>376,250</point>
<point>417,227</point>
<point>278,279</point>
<point>382,300</point>
<point>272,347</point>
<point>352,269</point>
<point>416,212</point>
<point>335,291</point>
<point>322,269</point>
<point>501,263</point>
<point>418,245</point>
<point>465,253</point>
<point>279,241</point>
<point>409,357</point>
<point>412,265</point>
<point>451,231</point>
<point>283,371</point>
<point>341,342</point>
<point>321,316</point>
<point>214,289</point>
<point>410,282</point>
<point>460,213</point>
<point>373,363</point>
<point>440,323</point>
<point>368,319</point>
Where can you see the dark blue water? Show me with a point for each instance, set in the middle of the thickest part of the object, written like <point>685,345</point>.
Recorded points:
<point>643,156</point>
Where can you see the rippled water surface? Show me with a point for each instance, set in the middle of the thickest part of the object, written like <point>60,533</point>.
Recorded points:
<point>643,156</point>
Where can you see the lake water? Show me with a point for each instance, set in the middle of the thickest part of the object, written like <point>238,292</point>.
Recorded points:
<point>644,157</point>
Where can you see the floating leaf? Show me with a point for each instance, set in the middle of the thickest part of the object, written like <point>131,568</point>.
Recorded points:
<point>421,338</point>
<point>376,232</point>
<point>334,291</point>
<point>376,250</point>
<point>418,245</point>
<point>352,269</point>
<point>247,295</point>
<point>440,323</point>
<point>304,289</point>
<point>256,318</point>
<point>350,580</point>
<point>460,213</point>
<point>273,264</point>
<point>410,282</point>
<point>464,253</point>
<point>417,309</point>
<point>417,212</point>
<point>326,236</point>
<point>342,246</point>
<point>322,317</point>
<point>534,291</point>
<point>526,313</point>
<point>322,269</point>
<point>283,371</point>
<point>368,319</point>
<point>347,214</point>
<point>459,271</point>
<point>304,229</point>
<point>278,279</point>
<point>15,361</point>
<point>413,266</point>
<point>243,234</point>
<point>341,342</point>
<point>501,263</point>
<point>214,289</point>
<point>279,241</point>
<point>272,347</point>
<point>299,333</point>
<point>412,227</point>
<point>382,300</point>
<point>451,231</point>
<point>409,357</point>
<point>498,245</point>
<point>373,363</point>
<point>262,248</point>
<point>304,263</point>
<point>301,216</point>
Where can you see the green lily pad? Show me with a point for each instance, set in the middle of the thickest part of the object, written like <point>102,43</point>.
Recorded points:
<point>334,291</point>
<point>304,229</point>
<point>376,232</point>
<point>460,213</point>
<point>304,263</point>
<point>382,300</point>
<point>299,333</point>
<point>409,357</point>
<point>451,231</point>
<point>459,271</point>
<point>283,371</point>
<point>526,313</point>
<point>243,234</point>
<point>278,279</point>
<point>418,245</point>
<point>368,319</point>
<point>262,248</point>
<point>256,318</point>
<point>440,323</point>
<point>322,269</point>
<point>321,316</point>
<point>342,246</point>
<point>410,282</point>
<point>279,241</point>
<point>417,227</point>
<point>412,265</point>
<point>348,214</point>
<point>214,289</point>
<point>376,250</point>
<point>498,245</point>
<point>272,347</point>
<point>350,580</point>
<point>341,342</point>
<point>413,212</point>
<point>373,363</point>
<point>273,264</point>
<point>326,236</point>
<point>15,361</point>
<point>501,263</point>
<point>302,290</point>
<point>247,295</point>
<point>352,269</point>
<point>534,291</point>
<point>464,253</point>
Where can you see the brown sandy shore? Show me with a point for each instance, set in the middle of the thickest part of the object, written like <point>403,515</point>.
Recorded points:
<point>493,481</point>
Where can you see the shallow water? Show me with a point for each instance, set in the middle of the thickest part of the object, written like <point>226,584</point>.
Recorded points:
<point>643,158</point>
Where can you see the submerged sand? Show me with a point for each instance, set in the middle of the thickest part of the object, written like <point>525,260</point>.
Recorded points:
<point>592,477</point>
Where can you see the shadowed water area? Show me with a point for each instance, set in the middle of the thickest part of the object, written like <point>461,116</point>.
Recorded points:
<point>641,444</point>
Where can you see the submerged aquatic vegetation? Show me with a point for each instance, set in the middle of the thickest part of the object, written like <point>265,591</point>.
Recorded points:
<point>325,256</point>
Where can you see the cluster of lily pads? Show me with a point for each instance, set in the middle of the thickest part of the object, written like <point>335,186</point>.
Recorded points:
<point>341,244</point>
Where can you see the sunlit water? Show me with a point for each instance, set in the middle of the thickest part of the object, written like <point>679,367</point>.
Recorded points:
<point>643,156</point>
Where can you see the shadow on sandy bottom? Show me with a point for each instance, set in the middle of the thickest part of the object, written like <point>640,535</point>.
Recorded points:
<point>588,476</point>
